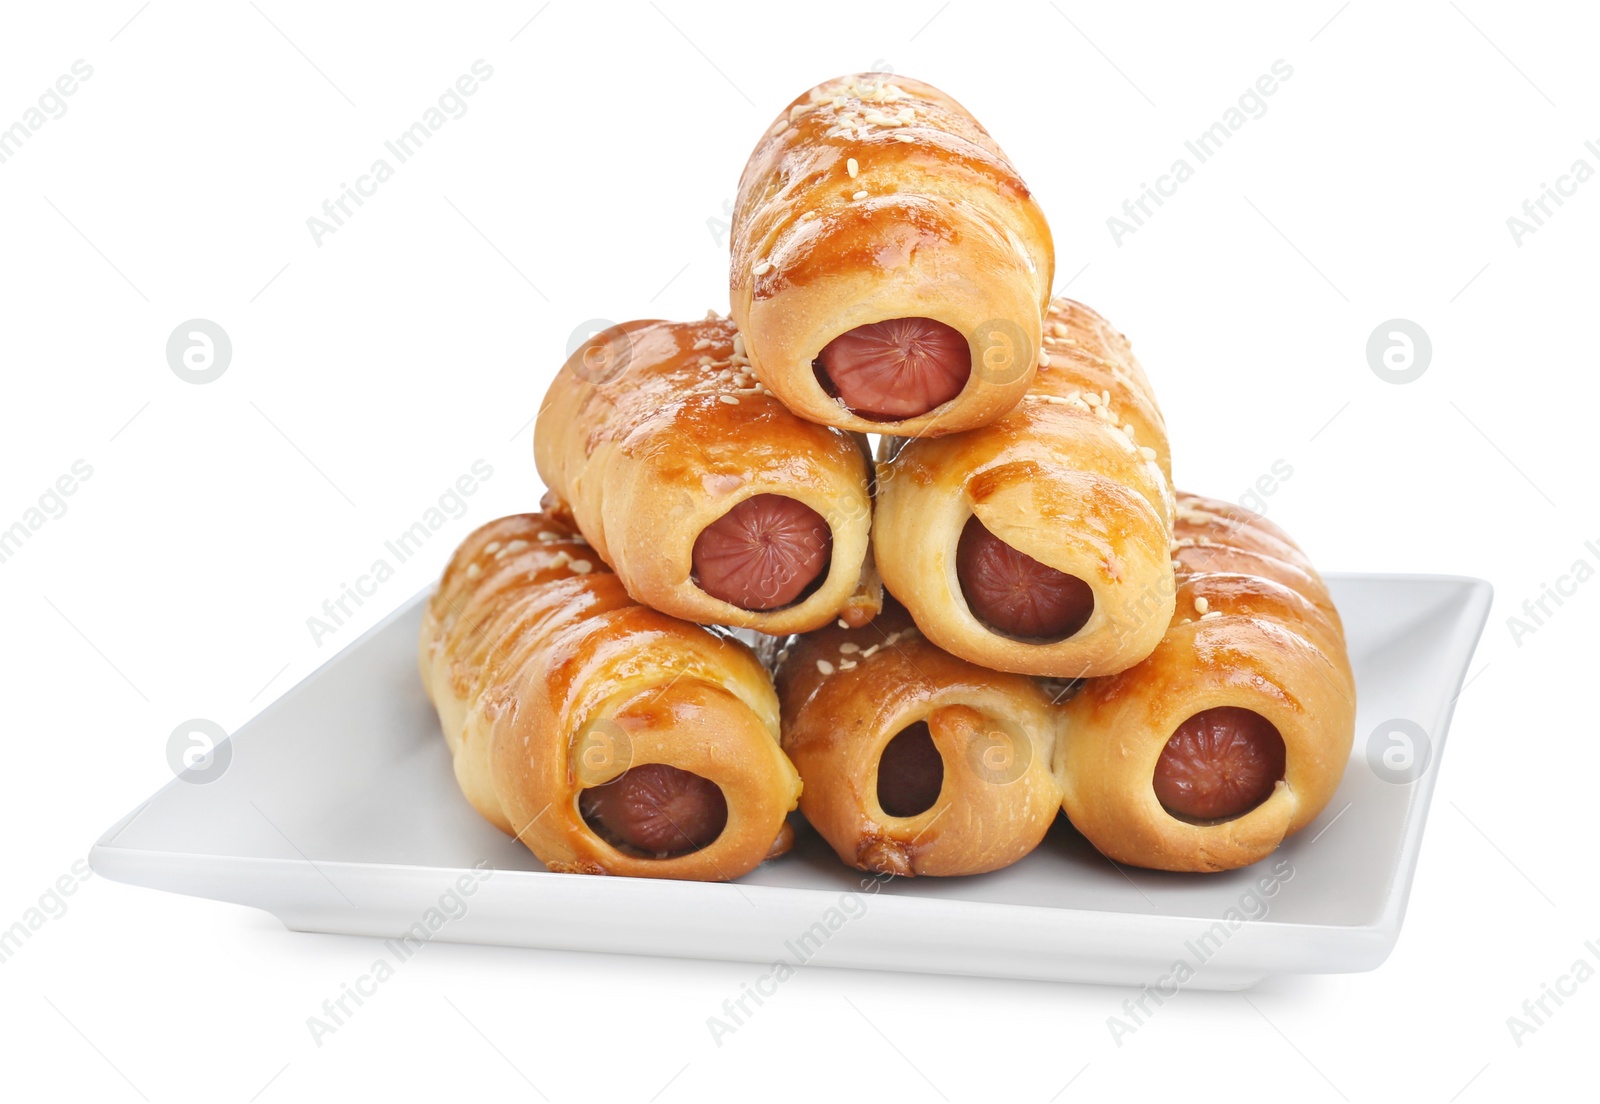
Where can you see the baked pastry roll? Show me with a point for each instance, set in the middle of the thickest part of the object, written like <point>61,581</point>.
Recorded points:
<point>707,497</point>
<point>914,761</point>
<point>889,266</point>
<point>607,737</point>
<point>1234,734</point>
<point>1039,543</point>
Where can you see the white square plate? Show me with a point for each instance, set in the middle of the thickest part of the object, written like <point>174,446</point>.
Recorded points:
<point>338,812</point>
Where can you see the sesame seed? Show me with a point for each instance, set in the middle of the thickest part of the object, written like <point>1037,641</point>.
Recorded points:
<point>1092,399</point>
<point>762,269</point>
<point>563,558</point>
<point>859,195</point>
<point>824,666</point>
<point>729,399</point>
<point>852,167</point>
<point>847,665</point>
<point>704,343</point>
<point>1201,604</point>
<point>849,649</point>
<point>870,652</point>
<point>473,571</point>
<point>1061,329</point>
<point>1212,616</point>
<point>842,623</point>
<point>1044,359</point>
<point>905,138</point>
<point>492,546</point>
<point>546,535</point>
<point>738,345</point>
<point>582,567</point>
<point>1147,452</point>
<point>516,546</point>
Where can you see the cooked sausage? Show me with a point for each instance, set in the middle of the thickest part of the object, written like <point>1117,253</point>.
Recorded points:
<point>895,369</point>
<point>910,772</point>
<point>656,809</point>
<point>763,553</point>
<point>1014,593</point>
<point>1219,764</point>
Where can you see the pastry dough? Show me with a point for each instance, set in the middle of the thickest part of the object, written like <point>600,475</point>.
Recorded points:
<point>657,434</point>
<point>1075,482</point>
<point>551,682</point>
<point>980,796</point>
<point>1255,638</point>
<point>874,198</point>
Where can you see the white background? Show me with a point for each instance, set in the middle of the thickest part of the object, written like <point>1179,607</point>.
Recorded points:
<point>371,370</point>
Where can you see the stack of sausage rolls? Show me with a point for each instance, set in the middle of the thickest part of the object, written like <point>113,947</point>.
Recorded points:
<point>733,602</point>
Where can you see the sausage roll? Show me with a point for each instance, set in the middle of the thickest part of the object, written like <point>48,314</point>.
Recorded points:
<point>607,737</point>
<point>889,266</point>
<point>915,762</point>
<point>1234,734</point>
<point>1039,543</point>
<point>707,497</point>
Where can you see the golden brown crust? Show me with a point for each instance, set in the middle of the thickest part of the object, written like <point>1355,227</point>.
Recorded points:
<point>847,692</point>
<point>1077,477</point>
<point>654,430</point>
<point>1254,628</point>
<point>947,230</point>
<point>549,679</point>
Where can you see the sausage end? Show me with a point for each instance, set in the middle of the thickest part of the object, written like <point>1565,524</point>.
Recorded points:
<point>1015,594</point>
<point>910,772</point>
<point>764,553</point>
<point>895,369</point>
<point>1219,764</point>
<point>656,810</point>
